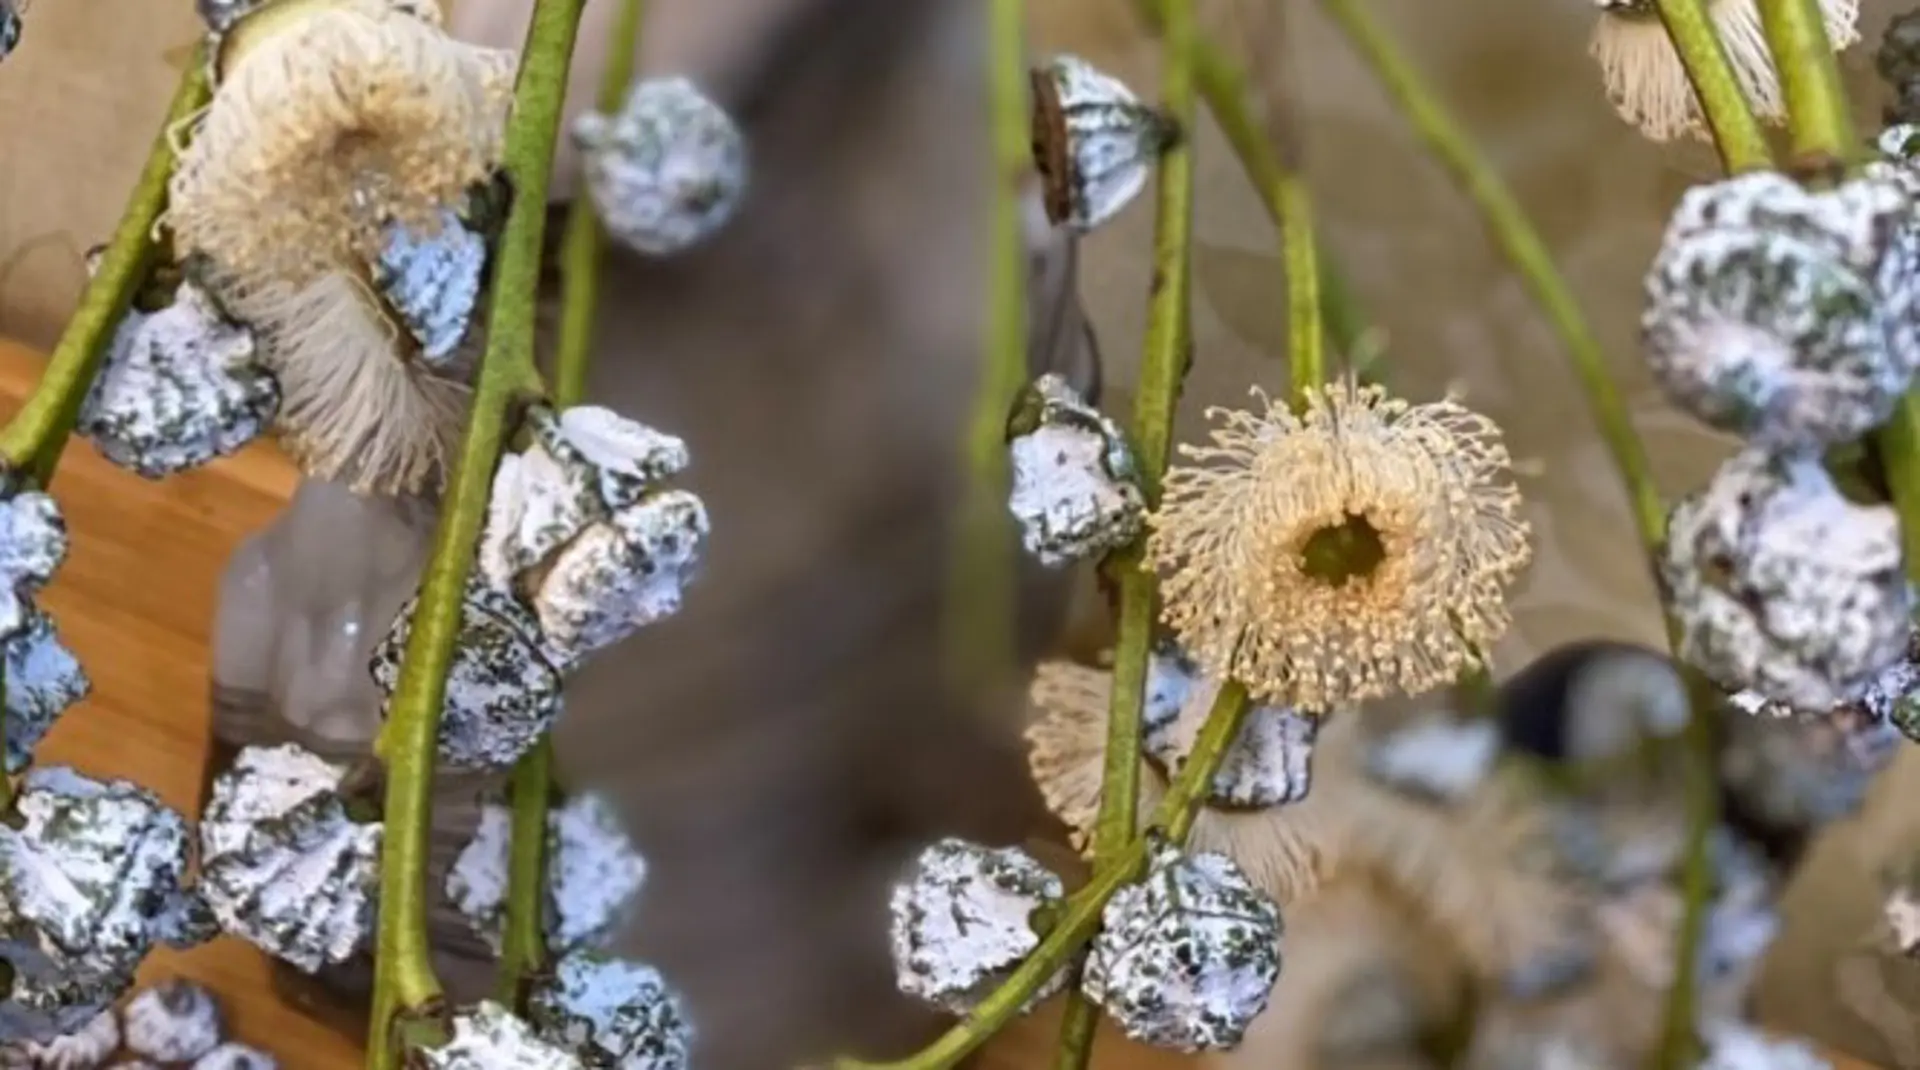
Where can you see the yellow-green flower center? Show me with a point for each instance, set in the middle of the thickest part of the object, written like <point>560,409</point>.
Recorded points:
<point>1349,550</point>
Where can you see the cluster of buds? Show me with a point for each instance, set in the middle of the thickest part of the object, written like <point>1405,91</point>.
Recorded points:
<point>1185,959</point>
<point>175,1023</point>
<point>583,545</point>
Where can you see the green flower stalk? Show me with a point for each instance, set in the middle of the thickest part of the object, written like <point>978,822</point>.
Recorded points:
<point>37,435</point>
<point>1736,130</point>
<point>405,985</point>
<point>583,249</point>
<point>984,592</point>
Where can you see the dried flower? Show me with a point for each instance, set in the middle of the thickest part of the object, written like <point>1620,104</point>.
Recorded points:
<point>1094,142</point>
<point>1436,756</point>
<point>503,691</point>
<point>964,919</point>
<point>1187,958</point>
<point>89,882</point>
<point>42,679</point>
<point>283,864</point>
<point>1782,585</point>
<point>1784,315</point>
<point>578,526</point>
<point>181,386</point>
<point>1075,487</point>
<point>612,1014</point>
<point>330,122</point>
<point>1734,1045</point>
<point>33,544</point>
<point>1267,764</point>
<point>1362,546</point>
<point>175,1021</point>
<point>234,1056</point>
<point>488,1037</point>
<point>667,170</point>
<point>87,1048</point>
<point>432,283</point>
<point>593,874</point>
<point>1648,84</point>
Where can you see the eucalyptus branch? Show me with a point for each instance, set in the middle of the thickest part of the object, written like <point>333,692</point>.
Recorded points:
<point>524,946</point>
<point>982,599</point>
<point>1736,130</point>
<point>36,436</point>
<point>404,979</point>
<point>1163,368</point>
<point>1080,917</point>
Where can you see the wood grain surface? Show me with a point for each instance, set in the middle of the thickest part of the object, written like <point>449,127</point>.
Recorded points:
<point>136,599</point>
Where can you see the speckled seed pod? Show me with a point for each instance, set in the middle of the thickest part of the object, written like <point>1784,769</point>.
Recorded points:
<point>962,921</point>
<point>1785,315</point>
<point>1734,1045</point>
<point>1094,143</point>
<point>612,1014</point>
<point>1186,959</point>
<point>578,525</point>
<point>432,281</point>
<point>180,387</point>
<point>88,884</point>
<point>487,1037</point>
<point>282,864</point>
<point>1802,772</point>
<point>1435,757</point>
<point>43,678</point>
<point>1269,764</point>
<point>665,172</point>
<point>86,1048</point>
<point>33,543</point>
<point>503,692</point>
<point>221,15</point>
<point>175,1021</point>
<point>234,1056</point>
<point>1899,142</point>
<point>593,874</point>
<point>1783,586</point>
<point>1075,485</point>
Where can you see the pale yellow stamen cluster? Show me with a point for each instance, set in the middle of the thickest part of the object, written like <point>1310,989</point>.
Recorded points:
<point>1430,486</point>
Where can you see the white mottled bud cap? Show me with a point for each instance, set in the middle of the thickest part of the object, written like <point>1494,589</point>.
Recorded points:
<point>963,920</point>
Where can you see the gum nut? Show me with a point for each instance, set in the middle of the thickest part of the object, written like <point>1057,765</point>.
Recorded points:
<point>233,1056</point>
<point>1072,488</point>
<point>1899,141</point>
<point>613,1014</point>
<point>221,15</point>
<point>487,1037</point>
<point>535,507</point>
<point>86,1048</point>
<point>282,864</point>
<point>83,880</point>
<point>1783,586</point>
<point>1268,764</point>
<point>624,459</point>
<point>1805,771</point>
<point>33,544</point>
<point>963,921</point>
<point>502,693</point>
<point>593,875</point>
<point>619,577</point>
<point>1186,959</point>
<point>1900,911</point>
<point>43,678</point>
<point>175,1021</point>
<point>180,387</point>
<point>1781,315</point>
<point>1094,142</point>
<point>432,281</point>
<point>1436,757</point>
<point>667,171</point>
<point>1733,1045</point>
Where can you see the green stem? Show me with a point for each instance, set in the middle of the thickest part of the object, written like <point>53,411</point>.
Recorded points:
<point>982,600</point>
<point>404,981</point>
<point>524,950</point>
<point>1163,368</point>
<point>35,437</point>
<point>1819,124</point>
<point>1523,248</point>
<point>1080,917</point>
<point>1736,131</point>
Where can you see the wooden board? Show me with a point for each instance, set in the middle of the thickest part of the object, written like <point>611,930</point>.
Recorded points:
<point>135,600</point>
